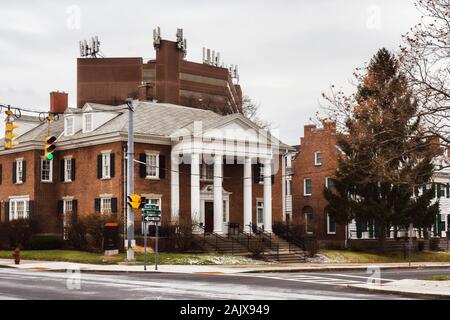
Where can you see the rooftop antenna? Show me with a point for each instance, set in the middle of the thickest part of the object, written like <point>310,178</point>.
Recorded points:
<point>156,38</point>
<point>181,42</point>
<point>91,50</point>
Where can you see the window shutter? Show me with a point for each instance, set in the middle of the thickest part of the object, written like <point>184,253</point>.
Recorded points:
<point>30,209</point>
<point>60,207</point>
<point>447,186</point>
<point>99,166</point>
<point>142,167</point>
<point>61,169</point>
<point>273,173</point>
<point>162,167</point>
<point>6,211</point>
<point>73,170</point>
<point>112,165</point>
<point>438,190</point>
<point>97,205</point>
<point>114,205</point>
<point>1,173</point>
<point>74,211</point>
<point>359,229</point>
<point>24,171</point>
<point>256,172</point>
<point>14,172</point>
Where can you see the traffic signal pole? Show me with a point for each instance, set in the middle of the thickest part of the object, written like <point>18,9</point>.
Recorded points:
<point>130,181</point>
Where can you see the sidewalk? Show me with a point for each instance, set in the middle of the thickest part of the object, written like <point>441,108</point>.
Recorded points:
<point>212,269</point>
<point>412,288</point>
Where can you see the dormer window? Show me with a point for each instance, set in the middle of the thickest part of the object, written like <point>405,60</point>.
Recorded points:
<point>88,126</point>
<point>69,126</point>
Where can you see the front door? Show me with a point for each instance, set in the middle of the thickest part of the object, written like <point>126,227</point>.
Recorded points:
<point>209,217</point>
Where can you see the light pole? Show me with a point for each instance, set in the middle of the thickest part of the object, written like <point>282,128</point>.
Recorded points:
<point>130,181</point>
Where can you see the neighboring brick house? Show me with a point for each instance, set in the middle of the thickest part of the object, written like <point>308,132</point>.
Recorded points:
<point>314,163</point>
<point>87,174</point>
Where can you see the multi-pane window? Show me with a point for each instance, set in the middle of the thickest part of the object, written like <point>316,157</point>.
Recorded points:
<point>317,158</point>
<point>69,126</point>
<point>18,209</point>
<point>106,165</point>
<point>309,223</point>
<point>67,210</point>
<point>307,187</point>
<point>46,170</point>
<point>152,165</point>
<point>88,122</point>
<point>67,170</point>
<point>260,212</point>
<point>331,224</point>
<point>207,172</point>
<point>19,171</point>
<point>329,183</point>
<point>261,173</point>
<point>105,205</point>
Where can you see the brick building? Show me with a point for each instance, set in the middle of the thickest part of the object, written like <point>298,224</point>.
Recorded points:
<point>169,78</point>
<point>215,169</point>
<point>313,165</point>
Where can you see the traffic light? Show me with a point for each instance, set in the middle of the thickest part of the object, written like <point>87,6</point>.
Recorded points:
<point>136,201</point>
<point>50,147</point>
<point>10,135</point>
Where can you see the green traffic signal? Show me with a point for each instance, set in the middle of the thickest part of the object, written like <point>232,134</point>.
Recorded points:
<point>50,156</point>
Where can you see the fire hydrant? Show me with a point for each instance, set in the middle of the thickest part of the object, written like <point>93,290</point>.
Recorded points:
<point>16,255</point>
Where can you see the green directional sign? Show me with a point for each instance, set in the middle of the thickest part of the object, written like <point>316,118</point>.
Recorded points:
<point>151,210</point>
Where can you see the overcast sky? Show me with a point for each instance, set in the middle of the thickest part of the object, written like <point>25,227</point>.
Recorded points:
<point>288,52</point>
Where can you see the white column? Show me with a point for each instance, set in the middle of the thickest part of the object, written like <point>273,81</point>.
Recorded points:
<point>267,196</point>
<point>175,188</point>
<point>247,194</point>
<point>195,188</point>
<point>218,201</point>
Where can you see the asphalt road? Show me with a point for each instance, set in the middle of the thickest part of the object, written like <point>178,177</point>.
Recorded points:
<point>20,284</point>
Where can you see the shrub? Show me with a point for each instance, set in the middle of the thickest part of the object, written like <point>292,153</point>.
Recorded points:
<point>44,243</point>
<point>15,233</point>
<point>280,228</point>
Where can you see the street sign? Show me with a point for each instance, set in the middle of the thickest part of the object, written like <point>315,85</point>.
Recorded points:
<point>151,210</point>
<point>152,218</point>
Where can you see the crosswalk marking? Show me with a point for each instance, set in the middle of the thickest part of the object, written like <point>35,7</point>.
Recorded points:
<point>332,279</point>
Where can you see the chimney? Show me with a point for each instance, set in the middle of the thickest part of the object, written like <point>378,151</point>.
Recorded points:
<point>59,101</point>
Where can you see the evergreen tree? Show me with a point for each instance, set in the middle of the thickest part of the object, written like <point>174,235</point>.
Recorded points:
<point>385,157</point>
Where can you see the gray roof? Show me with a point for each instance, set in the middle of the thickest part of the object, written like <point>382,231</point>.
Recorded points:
<point>156,119</point>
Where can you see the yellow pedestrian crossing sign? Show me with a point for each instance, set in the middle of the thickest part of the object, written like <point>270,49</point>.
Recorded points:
<point>136,201</point>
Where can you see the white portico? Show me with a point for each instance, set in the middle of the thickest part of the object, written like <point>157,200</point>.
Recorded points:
<point>231,141</point>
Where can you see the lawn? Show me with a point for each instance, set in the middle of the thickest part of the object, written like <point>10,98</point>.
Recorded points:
<point>437,278</point>
<point>343,256</point>
<point>95,258</point>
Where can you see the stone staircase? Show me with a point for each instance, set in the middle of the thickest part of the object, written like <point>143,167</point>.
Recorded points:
<point>266,247</point>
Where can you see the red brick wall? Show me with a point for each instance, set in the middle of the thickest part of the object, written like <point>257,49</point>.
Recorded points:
<point>87,187</point>
<point>323,140</point>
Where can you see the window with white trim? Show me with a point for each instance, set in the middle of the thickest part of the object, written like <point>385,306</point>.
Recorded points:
<point>309,227</point>
<point>106,165</point>
<point>19,208</point>
<point>67,210</point>
<point>152,166</point>
<point>207,172</point>
<point>331,224</point>
<point>69,126</point>
<point>307,187</point>
<point>329,183</point>
<point>46,170</point>
<point>317,158</point>
<point>19,171</point>
<point>88,127</point>
<point>105,206</point>
<point>260,212</point>
<point>67,170</point>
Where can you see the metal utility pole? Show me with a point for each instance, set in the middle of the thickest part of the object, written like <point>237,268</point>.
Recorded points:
<point>130,181</point>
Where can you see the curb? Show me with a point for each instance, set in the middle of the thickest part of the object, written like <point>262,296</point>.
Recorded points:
<point>403,293</point>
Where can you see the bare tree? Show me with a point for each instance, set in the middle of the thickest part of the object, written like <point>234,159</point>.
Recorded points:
<point>251,109</point>
<point>426,62</point>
